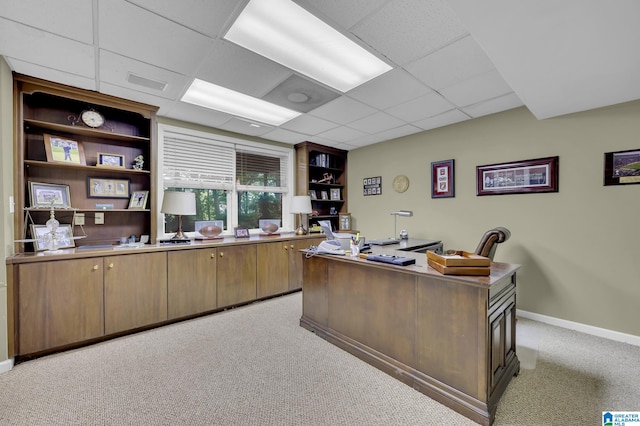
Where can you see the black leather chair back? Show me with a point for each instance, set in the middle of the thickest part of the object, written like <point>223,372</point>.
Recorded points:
<point>490,240</point>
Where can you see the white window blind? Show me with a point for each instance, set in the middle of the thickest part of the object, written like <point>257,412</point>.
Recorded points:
<point>194,162</point>
<point>258,170</point>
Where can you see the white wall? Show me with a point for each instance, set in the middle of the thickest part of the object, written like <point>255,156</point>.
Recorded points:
<point>578,248</point>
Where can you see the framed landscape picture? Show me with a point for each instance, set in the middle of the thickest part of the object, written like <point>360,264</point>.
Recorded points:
<point>48,195</point>
<point>622,167</point>
<point>518,177</point>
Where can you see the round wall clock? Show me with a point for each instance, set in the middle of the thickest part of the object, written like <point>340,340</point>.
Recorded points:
<point>92,118</point>
<point>400,183</point>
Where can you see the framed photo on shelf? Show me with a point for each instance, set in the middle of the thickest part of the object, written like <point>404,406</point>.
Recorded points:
<point>110,160</point>
<point>324,195</point>
<point>344,222</point>
<point>335,193</point>
<point>442,179</point>
<point>241,232</point>
<point>622,167</point>
<point>518,177</point>
<point>312,194</point>
<point>138,199</point>
<point>41,236</point>
<point>107,188</point>
<point>63,150</point>
<point>47,195</point>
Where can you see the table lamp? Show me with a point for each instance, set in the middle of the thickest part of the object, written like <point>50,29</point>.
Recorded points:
<point>179,203</point>
<point>301,204</point>
<point>403,213</point>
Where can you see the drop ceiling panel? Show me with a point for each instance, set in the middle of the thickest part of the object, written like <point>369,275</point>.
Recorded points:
<point>407,30</point>
<point>206,17</point>
<point>164,104</point>
<point>158,41</point>
<point>239,125</point>
<point>114,69</point>
<point>341,134</point>
<point>393,88</point>
<point>425,106</point>
<point>493,106</point>
<point>195,114</point>
<point>444,119</point>
<point>309,124</point>
<point>28,68</point>
<point>250,73</point>
<point>480,88</point>
<point>377,122</point>
<point>452,64</point>
<point>287,136</point>
<point>343,110</point>
<point>45,49</point>
<point>67,18</point>
<point>345,13</point>
<point>389,134</point>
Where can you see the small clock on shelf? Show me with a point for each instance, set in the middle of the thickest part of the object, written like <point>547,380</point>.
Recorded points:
<point>90,118</point>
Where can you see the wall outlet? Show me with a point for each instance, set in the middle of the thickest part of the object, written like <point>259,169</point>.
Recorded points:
<point>99,218</point>
<point>79,219</point>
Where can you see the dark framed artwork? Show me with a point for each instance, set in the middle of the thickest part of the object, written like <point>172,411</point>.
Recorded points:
<point>518,177</point>
<point>622,167</point>
<point>442,179</point>
<point>241,232</point>
<point>110,160</point>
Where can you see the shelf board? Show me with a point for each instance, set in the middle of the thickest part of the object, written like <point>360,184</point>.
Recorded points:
<point>83,131</point>
<point>47,209</point>
<point>329,201</point>
<point>58,165</point>
<point>326,185</point>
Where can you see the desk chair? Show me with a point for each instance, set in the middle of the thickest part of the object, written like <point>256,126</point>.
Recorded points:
<point>490,240</point>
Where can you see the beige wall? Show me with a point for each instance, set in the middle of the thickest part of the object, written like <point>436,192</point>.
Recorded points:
<point>6,190</point>
<point>578,248</point>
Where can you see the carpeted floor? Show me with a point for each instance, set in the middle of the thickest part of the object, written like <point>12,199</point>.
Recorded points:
<point>256,366</point>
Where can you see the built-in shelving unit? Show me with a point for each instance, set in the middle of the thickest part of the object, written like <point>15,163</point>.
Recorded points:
<point>44,110</point>
<point>322,173</point>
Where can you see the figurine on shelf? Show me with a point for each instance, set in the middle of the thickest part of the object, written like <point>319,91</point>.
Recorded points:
<point>138,162</point>
<point>326,178</point>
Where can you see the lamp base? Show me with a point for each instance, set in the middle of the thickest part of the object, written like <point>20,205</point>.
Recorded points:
<point>301,231</point>
<point>180,236</point>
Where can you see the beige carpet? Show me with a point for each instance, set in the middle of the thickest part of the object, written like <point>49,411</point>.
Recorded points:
<point>256,366</point>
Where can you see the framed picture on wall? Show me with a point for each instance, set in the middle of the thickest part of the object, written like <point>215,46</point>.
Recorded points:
<point>622,167</point>
<point>442,179</point>
<point>518,177</point>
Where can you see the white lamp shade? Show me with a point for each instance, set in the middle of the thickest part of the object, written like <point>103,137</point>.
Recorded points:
<point>179,203</point>
<point>300,204</point>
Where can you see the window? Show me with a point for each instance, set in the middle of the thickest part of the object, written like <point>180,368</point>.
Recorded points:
<point>236,181</point>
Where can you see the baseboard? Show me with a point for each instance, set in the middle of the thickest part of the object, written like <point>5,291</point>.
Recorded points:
<point>583,328</point>
<point>6,365</point>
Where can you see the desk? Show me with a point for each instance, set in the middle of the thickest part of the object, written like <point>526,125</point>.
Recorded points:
<point>452,338</point>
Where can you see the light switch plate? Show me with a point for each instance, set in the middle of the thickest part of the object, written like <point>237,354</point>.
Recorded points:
<point>100,218</point>
<point>79,220</point>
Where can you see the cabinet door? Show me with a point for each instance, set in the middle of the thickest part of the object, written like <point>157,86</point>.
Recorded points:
<point>191,282</point>
<point>135,290</point>
<point>273,267</point>
<point>503,339</point>
<point>59,303</point>
<point>236,274</point>
<point>295,260</point>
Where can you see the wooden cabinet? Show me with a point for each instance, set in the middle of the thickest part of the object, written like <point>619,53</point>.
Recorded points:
<point>59,303</point>
<point>191,282</point>
<point>135,291</point>
<point>236,274</point>
<point>322,173</point>
<point>47,119</point>
<point>502,329</point>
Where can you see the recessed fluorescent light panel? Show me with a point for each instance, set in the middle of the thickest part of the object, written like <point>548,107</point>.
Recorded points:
<point>286,33</point>
<point>220,98</point>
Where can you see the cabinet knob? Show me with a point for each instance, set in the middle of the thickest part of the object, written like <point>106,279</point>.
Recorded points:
<point>213,255</point>
<point>292,246</point>
<point>221,254</point>
<point>95,267</point>
<point>285,247</point>
<point>110,265</point>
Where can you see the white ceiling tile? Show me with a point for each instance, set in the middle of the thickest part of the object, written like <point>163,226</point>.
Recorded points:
<point>341,134</point>
<point>407,30</point>
<point>452,64</point>
<point>492,106</point>
<point>343,110</point>
<point>309,125</point>
<point>377,122</point>
<point>164,104</point>
<point>444,119</point>
<point>425,106</point>
<point>115,69</point>
<point>206,17</point>
<point>241,126</point>
<point>479,88</point>
<point>250,74</point>
<point>282,135</point>
<point>68,18</point>
<point>386,135</point>
<point>159,41</point>
<point>46,49</point>
<point>344,13</point>
<point>28,68</point>
<point>195,114</point>
<point>393,88</point>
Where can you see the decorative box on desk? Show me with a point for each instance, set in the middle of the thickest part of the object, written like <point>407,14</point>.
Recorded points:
<point>459,263</point>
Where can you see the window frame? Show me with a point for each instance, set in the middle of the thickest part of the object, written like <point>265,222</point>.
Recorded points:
<point>261,148</point>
